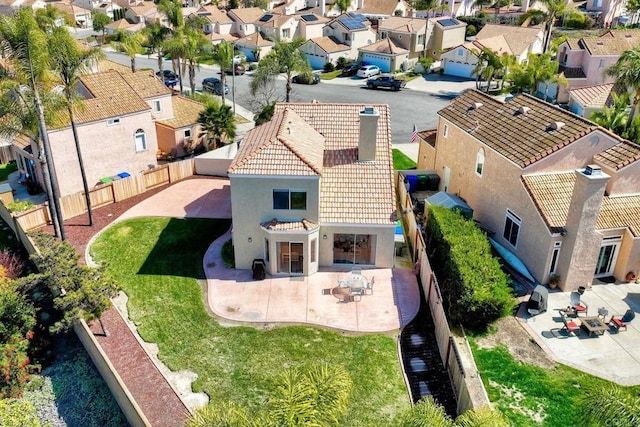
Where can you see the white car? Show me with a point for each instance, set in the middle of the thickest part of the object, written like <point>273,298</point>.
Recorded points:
<point>368,71</point>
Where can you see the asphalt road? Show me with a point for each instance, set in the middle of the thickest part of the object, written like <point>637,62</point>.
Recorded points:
<point>407,106</point>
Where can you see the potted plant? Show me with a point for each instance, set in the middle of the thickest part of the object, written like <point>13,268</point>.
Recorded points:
<point>554,281</point>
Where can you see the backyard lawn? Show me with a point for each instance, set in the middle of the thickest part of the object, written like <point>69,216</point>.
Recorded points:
<point>157,262</point>
<point>401,161</point>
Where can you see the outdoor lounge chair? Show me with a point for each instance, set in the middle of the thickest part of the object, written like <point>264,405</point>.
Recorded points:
<point>622,322</point>
<point>578,305</point>
<point>569,325</point>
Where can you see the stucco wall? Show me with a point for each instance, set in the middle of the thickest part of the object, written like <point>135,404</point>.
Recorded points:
<point>426,155</point>
<point>309,31</point>
<point>384,243</point>
<point>166,107</point>
<point>623,181</point>
<point>106,151</point>
<point>628,257</point>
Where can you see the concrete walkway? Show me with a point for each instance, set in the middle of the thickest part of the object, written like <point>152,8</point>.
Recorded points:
<point>613,356</point>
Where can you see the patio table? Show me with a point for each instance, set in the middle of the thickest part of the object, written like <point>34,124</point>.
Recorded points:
<point>593,325</point>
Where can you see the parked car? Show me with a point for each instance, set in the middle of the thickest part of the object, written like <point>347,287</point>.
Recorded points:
<point>239,59</point>
<point>368,71</point>
<point>239,70</point>
<point>351,70</point>
<point>214,85</point>
<point>169,77</point>
<point>386,80</point>
<point>305,79</point>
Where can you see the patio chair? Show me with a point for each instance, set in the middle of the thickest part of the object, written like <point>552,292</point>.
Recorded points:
<point>621,322</point>
<point>569,325</point>
<point>578,305</point>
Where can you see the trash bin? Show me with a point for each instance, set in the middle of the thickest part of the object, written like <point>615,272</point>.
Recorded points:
<point>259,269</point>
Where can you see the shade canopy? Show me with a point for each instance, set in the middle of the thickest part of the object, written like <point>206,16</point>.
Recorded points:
<point>451,201</point>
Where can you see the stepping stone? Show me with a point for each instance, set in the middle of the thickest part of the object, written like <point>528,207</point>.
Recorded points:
<point>416,340</point>
<point>418,365</point>
<point>424,389</point>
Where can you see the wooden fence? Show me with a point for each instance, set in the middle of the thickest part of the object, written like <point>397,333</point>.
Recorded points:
<point>454,350</point>
<point>105,194</point>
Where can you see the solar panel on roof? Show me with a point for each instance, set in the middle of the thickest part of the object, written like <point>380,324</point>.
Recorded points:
<point>448,22</point>
<point>351,23</point>
<point>310,18</point>
<point>266,17</point>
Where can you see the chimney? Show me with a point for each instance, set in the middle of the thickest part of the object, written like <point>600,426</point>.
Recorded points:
<point>323,7</point>
<point>367,138</point>
<point>581,245</point>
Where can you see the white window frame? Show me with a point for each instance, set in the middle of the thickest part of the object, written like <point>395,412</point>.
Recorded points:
<point>480,162</point>
<point>507,233</point>
<point>286,32</point>
<point>445,131</point>
<point>157,106</point>
<point>113,122</point>
<point>187,133</point>
<point>143,146</point>
<point>460,52</point>
<point>555,255</point>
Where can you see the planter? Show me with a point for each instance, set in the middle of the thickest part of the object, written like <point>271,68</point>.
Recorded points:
<point>630,277</point>
<point>581,290</point>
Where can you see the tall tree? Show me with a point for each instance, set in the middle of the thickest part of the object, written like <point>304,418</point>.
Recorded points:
<point>70,62</point>
<point>217,123</point>
<point>342,5</point>
<point>100,22</point>
<point>47,17</point>
<point>555,9</point>
<point>285,57</point>
<point>489,64</point>
<point>154,38</point>
<point>626,71</point>
<point>173,10</point>
<point>223,56</point>
<point>130,44</point>
<point>614,117</point>
<point>194,44</point>
<point>24,44</point>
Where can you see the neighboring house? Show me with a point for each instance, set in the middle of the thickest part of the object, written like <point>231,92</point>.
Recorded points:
<point>585,101</point>
<point>99,6</point>
<point>500,39</point>
<point>321,50</point>
<point>180,134</point>
<point>351,29</point>
<point>254,46</point>
<point>523,166</point>
<point>382,9</point>
<point>116,131</point>
<point>218,22</point>
<point>80,16</point>
<point>146,13</point>
<point>610,13</point>
<point>244,20</point>
<point>444,33</point>
<point>277,27</point>
<point>583,61</point>
<point>407,33</point>
<point>291,7</point>
<point>310,194</point>
<point>310,25</point>
<point>123,25</point>
<point>386,55</point>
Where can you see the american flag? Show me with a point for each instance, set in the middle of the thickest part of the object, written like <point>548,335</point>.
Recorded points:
<point>414,134</point>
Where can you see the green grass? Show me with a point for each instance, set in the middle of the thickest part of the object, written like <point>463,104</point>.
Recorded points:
<point>330,76</point>
<point>518,389</point>
<point>157,261</point>
<point>401,161</point>
<point>6,170</point>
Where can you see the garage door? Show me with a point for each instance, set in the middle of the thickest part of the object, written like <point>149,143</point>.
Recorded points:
<point>248,53</point>
<point>316,62</point>
<point>381,61</point>
<point>458,69</point>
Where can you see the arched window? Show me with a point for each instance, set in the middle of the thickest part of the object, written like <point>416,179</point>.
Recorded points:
<point>141,140</point>
<point>480,162</point>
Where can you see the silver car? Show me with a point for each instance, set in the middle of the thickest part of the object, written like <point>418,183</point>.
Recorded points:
<point>368,71</point>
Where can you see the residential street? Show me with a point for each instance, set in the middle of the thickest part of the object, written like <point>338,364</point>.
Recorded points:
<point>413,104</point>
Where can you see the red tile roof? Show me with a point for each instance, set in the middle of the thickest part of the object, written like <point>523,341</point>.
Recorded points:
<point>620,155</point>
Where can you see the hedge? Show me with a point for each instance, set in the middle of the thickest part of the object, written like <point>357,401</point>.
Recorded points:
<point>475,289</point>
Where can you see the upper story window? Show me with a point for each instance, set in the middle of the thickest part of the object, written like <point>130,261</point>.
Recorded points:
<point>114,121</point>
<point>597,3</point>
<point>157,107</point>
<point>383,35</point>
<point>187,133</point>
<point>420,38</point>
<point>445,131</point>
<point>141,140</point>
<point>346,36</point>
<point>512,228</point>
<point>480,162</point>
<point>289,199</point>
<point>285,33</point>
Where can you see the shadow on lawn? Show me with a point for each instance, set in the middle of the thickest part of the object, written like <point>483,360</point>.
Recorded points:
<point>181,246</point>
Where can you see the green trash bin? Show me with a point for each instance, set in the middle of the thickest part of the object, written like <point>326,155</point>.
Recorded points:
<point>106,180</point>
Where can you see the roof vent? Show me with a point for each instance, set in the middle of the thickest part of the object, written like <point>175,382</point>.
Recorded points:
<point>476,105</point>
<point>599,43</point>
<point>592,170</point>
<point>524,110</point>
<point>556,126</point>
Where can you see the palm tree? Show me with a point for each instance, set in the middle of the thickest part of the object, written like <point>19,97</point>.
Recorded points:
<point>489,64</point>
<point>555,8</point>
<point>626,71</point>
<point>223,56</point>
<point>615,117</point>
<point>216,121</point>
<point>173,10</point>
<point>46,17</point>
<point>191,44</point>
<point>25,46</point>
<point>69,63</point>
<point>154,38</point>
<point>616,407</point>
<point>130,44</point>
<point>342,5</point>
<point>285,57</point>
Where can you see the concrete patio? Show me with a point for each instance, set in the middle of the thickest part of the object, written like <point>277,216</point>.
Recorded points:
<point>613,356</point>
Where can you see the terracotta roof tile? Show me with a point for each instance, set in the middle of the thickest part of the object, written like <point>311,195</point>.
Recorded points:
<point>379,7</point>
<point>406,25</point>
<point>286,145</point>
<point>185,112</point>
<point>620,155</point>
<point>518,38</point>
<point>609,45</point>
<point>108,65</point>
<point>254,39</point>
<point>551,193</point>
<point>328,44</point>
<point>429,136</point>
<point>247,15</point>
<point>213,14</point>
<point>592,96</point>
<point>146,84</point>
<point>384,46</point>
<point>275,225</point>
<point>523,138</point>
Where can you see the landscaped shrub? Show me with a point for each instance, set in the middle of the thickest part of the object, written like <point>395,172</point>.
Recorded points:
<point>471,30</point>
<point>474,287</point>
<point>19,206</point>
<point>342,62</point>
<point>578,21</point>
<point>328,67</point>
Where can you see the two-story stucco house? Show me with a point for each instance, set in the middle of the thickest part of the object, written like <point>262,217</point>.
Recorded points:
<point>217,25</point>
<point>560,192</point>
<point>583,61</point>
<point>307,194</point>
<point>321,50</point>
<point>352,30</point>
<point>277,27</point>
<point>382,9</point>
<point>244,20</point>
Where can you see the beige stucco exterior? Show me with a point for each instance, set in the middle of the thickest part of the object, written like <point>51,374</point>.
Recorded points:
<point>440,39</point>
<point>311,48</point>
<point>310,30</point>
<point>353,39</point>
